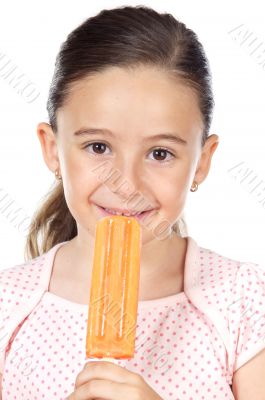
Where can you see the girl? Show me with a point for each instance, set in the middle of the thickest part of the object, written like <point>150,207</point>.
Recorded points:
<point>131,94</point>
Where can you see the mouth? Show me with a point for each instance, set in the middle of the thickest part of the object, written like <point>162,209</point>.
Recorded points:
<point>137,215</point>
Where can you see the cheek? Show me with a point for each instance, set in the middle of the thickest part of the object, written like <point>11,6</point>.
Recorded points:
<point>174,186</point>
<point>80,176</point>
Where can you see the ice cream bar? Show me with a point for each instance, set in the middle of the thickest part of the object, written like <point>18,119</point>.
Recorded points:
<point>112,316</point>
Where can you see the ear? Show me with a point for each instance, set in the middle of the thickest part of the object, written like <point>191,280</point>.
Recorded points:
<point>48,143</point>
<point>204,163</point>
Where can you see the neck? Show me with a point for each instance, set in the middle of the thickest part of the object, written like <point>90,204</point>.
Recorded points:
<point>162,264</point>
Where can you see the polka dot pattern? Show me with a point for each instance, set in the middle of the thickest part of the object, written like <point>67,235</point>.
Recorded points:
<point>188,345</point>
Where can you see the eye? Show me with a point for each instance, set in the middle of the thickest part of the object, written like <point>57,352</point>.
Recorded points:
<point>98,147</point>
<point>161,152</point>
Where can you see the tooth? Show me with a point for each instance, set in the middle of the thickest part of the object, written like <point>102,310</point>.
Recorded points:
<point>120,213</point>
<point>113,212</point>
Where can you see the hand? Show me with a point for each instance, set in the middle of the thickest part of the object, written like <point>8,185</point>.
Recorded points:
<point>104,380</point>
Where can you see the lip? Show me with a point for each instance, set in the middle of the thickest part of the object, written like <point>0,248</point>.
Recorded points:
<point>138,217</point>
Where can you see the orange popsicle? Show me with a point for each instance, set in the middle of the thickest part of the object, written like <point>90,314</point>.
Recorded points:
<point>113,305</point>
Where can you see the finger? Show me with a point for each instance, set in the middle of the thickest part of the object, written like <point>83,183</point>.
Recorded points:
<point>108,371</point>
<point>107,390</point>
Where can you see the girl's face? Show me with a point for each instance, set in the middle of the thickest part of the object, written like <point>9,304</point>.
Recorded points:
<point>127,116</point>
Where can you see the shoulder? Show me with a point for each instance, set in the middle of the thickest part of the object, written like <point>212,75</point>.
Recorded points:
<point>220,281</point>
<point>228,275</point>
<point>20,288</point>
<point>24,276</point>
<point>209,271</point>
<point>231,293</point>
<point>26,281</point>
<point>246,313</point>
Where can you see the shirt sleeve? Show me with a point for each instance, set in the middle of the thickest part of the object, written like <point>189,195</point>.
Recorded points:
<point>246,314</point>
<point>2,332</point>
<point>9,319</point>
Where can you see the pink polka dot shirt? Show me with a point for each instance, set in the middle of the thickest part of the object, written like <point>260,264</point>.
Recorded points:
<point>188,345</point>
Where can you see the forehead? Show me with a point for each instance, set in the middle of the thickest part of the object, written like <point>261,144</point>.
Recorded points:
<point>121,99</point>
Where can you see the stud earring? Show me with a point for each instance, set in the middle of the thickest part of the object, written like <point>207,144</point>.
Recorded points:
<point>57,176</point>
<point>194,186</point>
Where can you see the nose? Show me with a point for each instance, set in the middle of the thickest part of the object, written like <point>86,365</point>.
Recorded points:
<point>125,178</point>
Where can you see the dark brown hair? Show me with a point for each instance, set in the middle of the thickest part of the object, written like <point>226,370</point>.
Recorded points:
<point>128,37</point>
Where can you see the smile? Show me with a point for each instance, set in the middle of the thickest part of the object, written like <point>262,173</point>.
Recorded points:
<point>136,214</point>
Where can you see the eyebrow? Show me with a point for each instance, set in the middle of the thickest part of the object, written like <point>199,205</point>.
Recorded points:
<point>174,138</point>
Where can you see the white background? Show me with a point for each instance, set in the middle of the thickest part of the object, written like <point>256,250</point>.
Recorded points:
<point>223,214</point>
